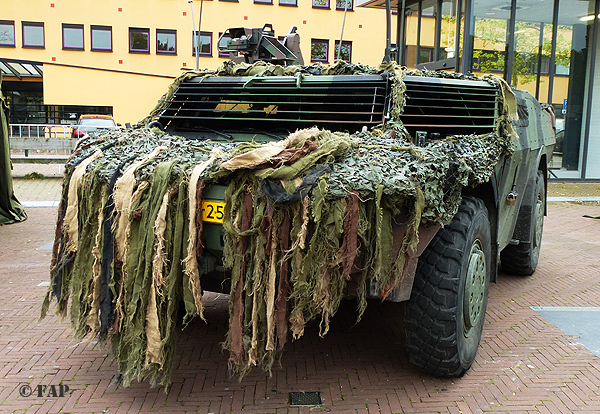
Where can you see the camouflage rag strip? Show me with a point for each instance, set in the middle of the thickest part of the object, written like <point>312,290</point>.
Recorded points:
<point>297,212</point>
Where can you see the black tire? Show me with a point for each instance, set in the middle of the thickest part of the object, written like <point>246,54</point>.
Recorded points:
<point>522,259</point>
<point>446,311</point>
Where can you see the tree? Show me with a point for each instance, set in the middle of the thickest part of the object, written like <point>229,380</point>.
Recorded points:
<point>526,58</point>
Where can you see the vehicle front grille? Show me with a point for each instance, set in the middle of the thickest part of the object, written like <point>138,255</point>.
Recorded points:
<point>345,102</point>
<point>449,106</point>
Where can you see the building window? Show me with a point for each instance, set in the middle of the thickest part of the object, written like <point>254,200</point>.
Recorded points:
<point>425,54</point>
<point>263,1</point>
<point>288,2</point>
<point>320,4</point>
<point>139,40</point>
<point>166,42</point>
<point>319,49</point>
<point>33,35</point>
<point>7,33</point>
<point>72,36</point>
<point>342,4</point>
<point>101,38</point>
<point>345,53</point>
<point>205,43</point>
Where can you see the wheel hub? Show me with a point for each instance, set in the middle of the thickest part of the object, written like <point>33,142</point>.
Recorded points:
<point>474,288</point>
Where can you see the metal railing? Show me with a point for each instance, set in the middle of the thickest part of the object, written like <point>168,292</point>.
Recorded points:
<point>40,142</point>
<point>40,130</point>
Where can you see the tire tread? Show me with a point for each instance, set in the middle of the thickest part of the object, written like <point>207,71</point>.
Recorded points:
<point>430,319</point>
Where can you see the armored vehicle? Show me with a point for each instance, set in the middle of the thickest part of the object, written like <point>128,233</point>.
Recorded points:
<point>290,187</point>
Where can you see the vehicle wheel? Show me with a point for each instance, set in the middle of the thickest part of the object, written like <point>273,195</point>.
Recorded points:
<point>445,314</point>
<point>522,259</point>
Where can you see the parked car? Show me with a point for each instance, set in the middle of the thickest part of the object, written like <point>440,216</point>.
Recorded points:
<point>92,122</point>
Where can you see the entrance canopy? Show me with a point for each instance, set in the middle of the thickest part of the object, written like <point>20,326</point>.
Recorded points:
<point>21,68</point>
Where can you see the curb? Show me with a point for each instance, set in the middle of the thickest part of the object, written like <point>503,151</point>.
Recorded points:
<point>563,199</point>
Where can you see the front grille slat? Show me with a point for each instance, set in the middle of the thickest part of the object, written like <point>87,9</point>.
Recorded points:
<point>231,103</point>
<point>310,120</point>
<point>266,102</point>
<point>449,106</point>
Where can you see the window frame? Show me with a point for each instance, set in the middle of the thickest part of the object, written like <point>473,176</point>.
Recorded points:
<point>14,34</point>
<point>267,2</point>
<point>73,26</point>
<point>322,41</point>
<point>166,32</point>
<point>289,4</point>
<point>145,30</point>
<point>324,7</point>
<point>344,43</point>
<point>200,53</point>
<point>33,24</point>
<point>351,8</point>
<point>100,28</point>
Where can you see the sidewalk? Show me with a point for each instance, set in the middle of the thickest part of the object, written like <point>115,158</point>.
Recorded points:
<point>558,189</point>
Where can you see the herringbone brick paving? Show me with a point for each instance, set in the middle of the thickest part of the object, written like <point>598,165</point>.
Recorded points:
<point>524,365</point>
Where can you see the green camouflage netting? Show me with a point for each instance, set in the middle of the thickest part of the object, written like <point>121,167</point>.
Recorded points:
<point>297,212</point>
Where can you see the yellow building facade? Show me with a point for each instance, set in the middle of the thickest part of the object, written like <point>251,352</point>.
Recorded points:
<point>62,58</point>
<point>120,55</point>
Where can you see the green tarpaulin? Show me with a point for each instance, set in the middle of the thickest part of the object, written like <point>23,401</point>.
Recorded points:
<point>11,210</point>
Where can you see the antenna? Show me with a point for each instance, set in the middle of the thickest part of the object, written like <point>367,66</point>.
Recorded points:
<point>198,37</point>
<point>343,24</point>
<point>196,45</point>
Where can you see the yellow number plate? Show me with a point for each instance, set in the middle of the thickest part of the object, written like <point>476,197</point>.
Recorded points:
<point>213,211</point>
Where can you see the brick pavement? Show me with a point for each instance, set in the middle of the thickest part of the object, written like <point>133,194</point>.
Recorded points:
<point>525,364</point>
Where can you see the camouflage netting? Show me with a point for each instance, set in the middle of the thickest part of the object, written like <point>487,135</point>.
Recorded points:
<point>297,212</point>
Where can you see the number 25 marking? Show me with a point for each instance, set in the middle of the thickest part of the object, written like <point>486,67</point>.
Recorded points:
<point>215,212</point>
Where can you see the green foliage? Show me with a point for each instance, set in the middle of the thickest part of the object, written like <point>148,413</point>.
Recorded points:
<point>34,176</point>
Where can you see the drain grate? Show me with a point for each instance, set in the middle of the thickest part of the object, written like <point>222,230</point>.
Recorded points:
<point>304,399</point>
